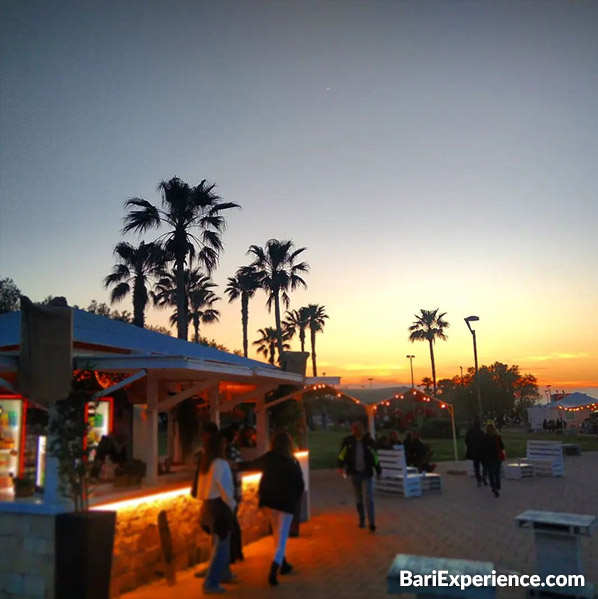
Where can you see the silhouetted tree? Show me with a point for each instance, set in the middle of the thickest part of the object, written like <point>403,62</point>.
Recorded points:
<point>297,320</point>
<point>276,264</point>
<point>429,326</point>
<point>10,296</point>
<point>267,344</point>
<point>185,209</point>
<point>317,321</point>
<point>132,275</point>
<point>243,284</point>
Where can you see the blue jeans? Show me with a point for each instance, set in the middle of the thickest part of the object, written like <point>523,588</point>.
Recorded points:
<point>218,569</point>
<point>361,481</point>
<point>281,524</point>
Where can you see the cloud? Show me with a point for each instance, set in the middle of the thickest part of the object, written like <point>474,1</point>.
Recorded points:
<point>556,356</point>
<point>371,367</point>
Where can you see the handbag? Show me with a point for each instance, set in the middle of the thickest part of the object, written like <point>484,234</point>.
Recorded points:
<point>501,452</point>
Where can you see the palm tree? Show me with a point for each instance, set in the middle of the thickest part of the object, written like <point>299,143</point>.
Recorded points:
<point>136,266</point>
<point>199,293</point>
<point>244,285</point>
<point>279,273</point>
<point>429,325</point>
<point>184,209</point>
<point>317,320</point>
<point>201,310</point>
<point>267,344</point>
<point>297,320</point>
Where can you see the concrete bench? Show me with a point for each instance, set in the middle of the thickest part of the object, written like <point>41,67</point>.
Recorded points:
<point>571,449</point>
<point>546,457</point>
<point>558,548</point>
<point>418,565</point>
<point>397,478</point>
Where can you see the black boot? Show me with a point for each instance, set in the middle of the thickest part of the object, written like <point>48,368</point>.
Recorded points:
<point>285,567</point>
<point>272,578</point>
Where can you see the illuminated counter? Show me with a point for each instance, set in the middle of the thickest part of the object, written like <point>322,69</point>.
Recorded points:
<point>137,554</point>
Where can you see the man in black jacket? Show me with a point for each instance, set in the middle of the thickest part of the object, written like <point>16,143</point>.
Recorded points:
<point>358,458</point>
<point>474,441</point>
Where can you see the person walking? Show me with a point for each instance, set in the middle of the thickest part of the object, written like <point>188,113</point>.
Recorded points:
<point>234,458</point>
<point>358,459</point>
<point>474,442</point>
<point>494,454</point>
<point>215,489</point>
<point>279,491</point>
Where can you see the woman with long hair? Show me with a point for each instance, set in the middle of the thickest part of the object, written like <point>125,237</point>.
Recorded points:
<point>216,490</point>
<point>280,489</point>
<point>494,454</point>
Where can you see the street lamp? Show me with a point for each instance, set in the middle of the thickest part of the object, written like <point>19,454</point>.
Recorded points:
<point>370,379</point>
<point>411,362</point>
<point>475,356</point>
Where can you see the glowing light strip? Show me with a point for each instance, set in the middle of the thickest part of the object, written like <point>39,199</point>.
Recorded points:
<point>124,504</point>
<point>251,478</point>
<point>135,501</point>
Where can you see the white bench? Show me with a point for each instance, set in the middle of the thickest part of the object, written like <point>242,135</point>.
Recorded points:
<point>546,457</point>
<point>519,471</point>
<point>420,566</point>
<point>397,478</point>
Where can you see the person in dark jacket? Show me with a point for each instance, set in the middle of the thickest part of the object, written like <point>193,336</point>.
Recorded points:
<point>494,454</point>
<point>358,459</point>
<point>279,491</point>
<point>474,442</point>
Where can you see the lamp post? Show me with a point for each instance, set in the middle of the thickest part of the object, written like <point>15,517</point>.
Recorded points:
<point>411,363</point>
<point>475,357</point>
<point>370,379</point>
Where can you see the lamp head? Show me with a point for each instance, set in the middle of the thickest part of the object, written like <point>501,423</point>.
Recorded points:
<point>471,319</point>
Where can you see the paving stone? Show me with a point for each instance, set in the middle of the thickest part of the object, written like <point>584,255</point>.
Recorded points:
<point>333,558</point>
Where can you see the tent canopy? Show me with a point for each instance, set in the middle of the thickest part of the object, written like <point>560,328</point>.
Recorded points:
<point>577,400</point>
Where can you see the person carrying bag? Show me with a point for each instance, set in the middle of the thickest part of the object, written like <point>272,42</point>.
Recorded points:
<point>216,491</point>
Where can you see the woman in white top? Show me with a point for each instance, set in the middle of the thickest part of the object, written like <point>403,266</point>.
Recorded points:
<point>216,490</point>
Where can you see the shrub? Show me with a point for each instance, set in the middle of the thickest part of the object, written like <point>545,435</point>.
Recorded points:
<point>437,428</point>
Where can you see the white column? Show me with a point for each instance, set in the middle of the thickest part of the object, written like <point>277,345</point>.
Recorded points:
<point>151,448</point>
<point>214,399</point>
<point>371,420</point>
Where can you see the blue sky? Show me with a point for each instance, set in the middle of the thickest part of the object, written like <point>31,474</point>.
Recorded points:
<point>430,154</point>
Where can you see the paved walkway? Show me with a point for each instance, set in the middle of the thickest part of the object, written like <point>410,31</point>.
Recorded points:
<point>335,559</point>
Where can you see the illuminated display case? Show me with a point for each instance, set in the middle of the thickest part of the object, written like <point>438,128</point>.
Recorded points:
<point>101,419</point>
<point>12,434</point>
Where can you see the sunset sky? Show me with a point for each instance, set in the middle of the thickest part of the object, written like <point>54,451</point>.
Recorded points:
<point>428,155</point>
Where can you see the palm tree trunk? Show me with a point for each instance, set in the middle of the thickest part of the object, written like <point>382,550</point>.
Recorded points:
<point>313,352</point>
<point>181,300</point>
<point>196,327</point>
<point>245,321</point>
<point>278,325</point>
<point>272,353</point>
<point>302,338</point>
<point>139,302</point>
<point>433,365</point>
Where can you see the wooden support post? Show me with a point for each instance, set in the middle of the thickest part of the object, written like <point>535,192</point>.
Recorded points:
<point>151,449</point>
<point>263,434</point>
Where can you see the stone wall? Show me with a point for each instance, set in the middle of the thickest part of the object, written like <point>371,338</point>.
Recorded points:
<point>27,544</point>
<point>137,555</point>
<point>26,556</point>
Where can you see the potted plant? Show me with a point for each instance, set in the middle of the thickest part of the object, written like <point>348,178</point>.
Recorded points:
<point>23,486</point>
<point>84,539</point>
